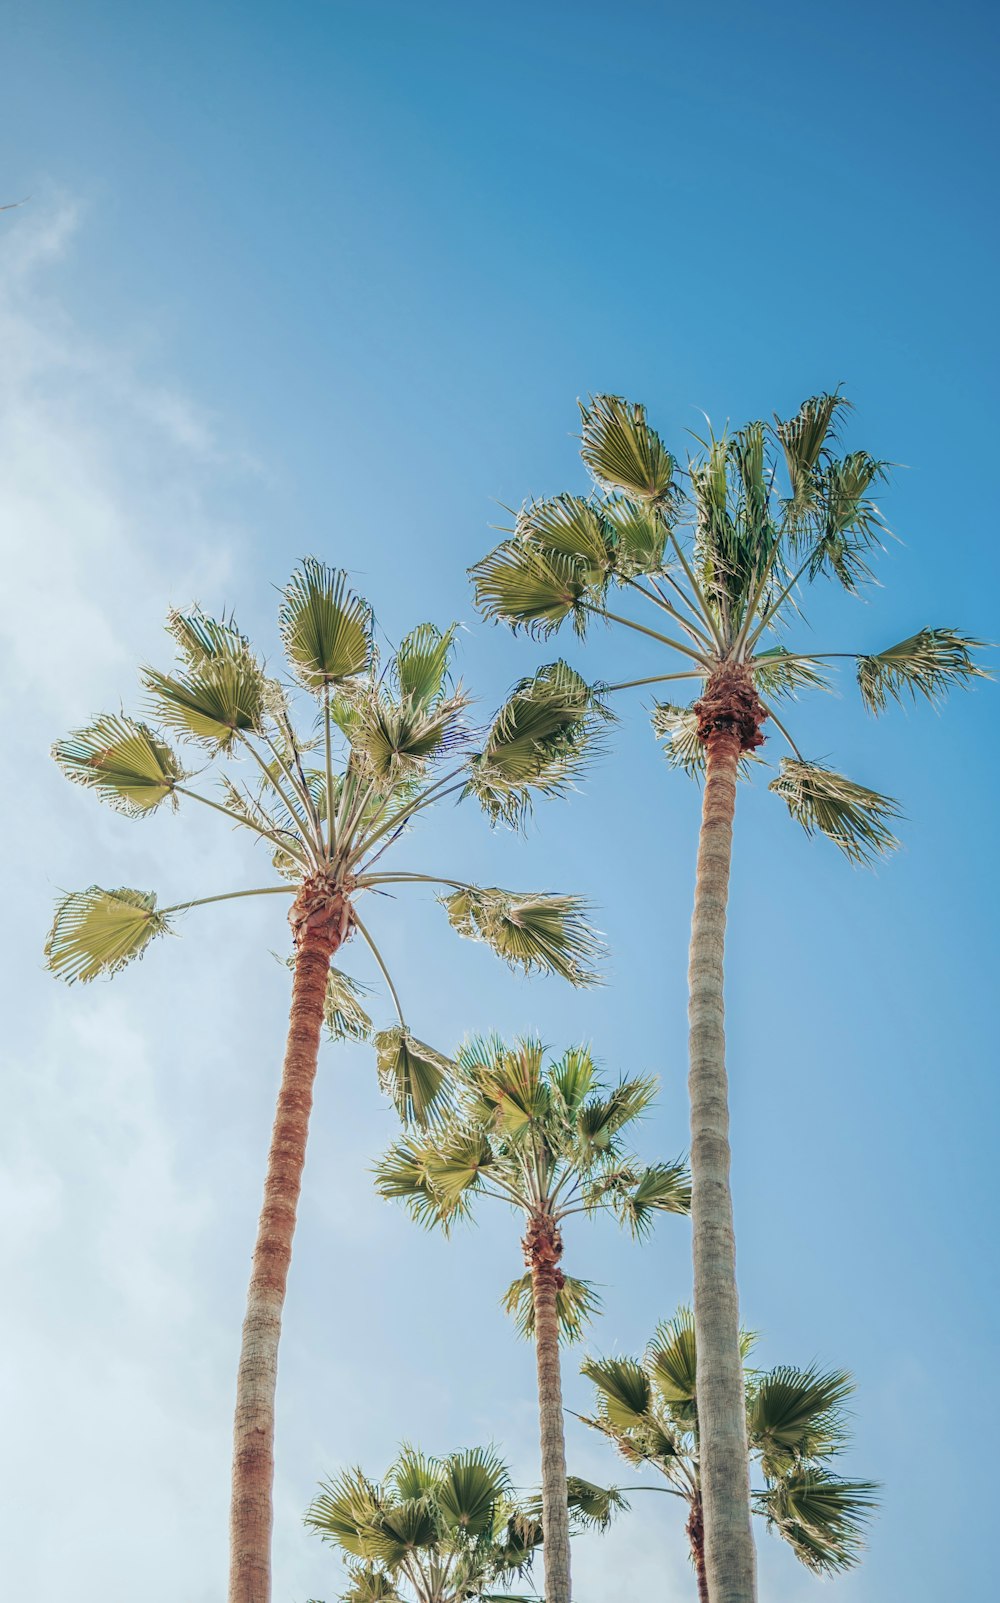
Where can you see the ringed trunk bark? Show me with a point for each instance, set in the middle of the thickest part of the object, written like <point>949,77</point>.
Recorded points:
<point>542,1251</point>
<point>320,920</point>
<point>729,720</point>
<point>696,1538</point>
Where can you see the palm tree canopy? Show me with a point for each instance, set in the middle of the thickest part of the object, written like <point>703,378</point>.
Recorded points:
<point>439,1530</point>
<point>547,1138</point>
<point>715,555</point>
<point>796,1424</point>
<point>328,766</point>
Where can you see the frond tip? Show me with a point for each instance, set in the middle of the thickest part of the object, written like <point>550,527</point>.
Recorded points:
<point>97,932</point>
<point>623,452</point>
<point>325,627</point>
<point>850,815</point>
<point>536,933</point>
<point>412,1074</point>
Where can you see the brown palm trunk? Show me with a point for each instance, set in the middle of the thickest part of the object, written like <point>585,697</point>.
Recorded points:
<point>729,719</point>
<point>320,919</point>
<point>696,1538</point>
<point>542,1251</point>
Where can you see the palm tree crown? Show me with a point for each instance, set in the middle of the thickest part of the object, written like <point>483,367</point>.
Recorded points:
<point>440,1530</point>
<point>726,589</point>
<point>392,740</point>
<point>796,1424</point>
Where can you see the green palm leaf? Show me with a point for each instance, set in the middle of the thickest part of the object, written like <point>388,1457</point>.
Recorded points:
<point>124,761</point>
<point>623,452</point>
<point>624,1390</point>
<point>402,1175</point>
<point>530,589</point>
<point>850,815</point>
<point>673,1359</point>
<point>659,1188</point>
<point>928,663</point>
<point>567,526</point>
<point>471,1485</point>
<point>820,1516</point>
<point>576,1304</point>
<point>797,1413</point>
<point>544,933</point>
<point>325,628</point>
<point>212,704</point>
<point>201,639</point>
<point>369,1584</point>
<point>850,523</point>
<point>803,439</point>
<point>98,932</point>
<point>346,1512</point>
<point>413,1074</point>
<point>539,741</point>
<point>397,739</point>
<point>778,673</point>
<point>343,1014</point>
<point>639,537</point>
<point>420,666</point>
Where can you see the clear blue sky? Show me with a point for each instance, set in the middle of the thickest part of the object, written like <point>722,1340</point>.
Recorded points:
<point>330,277</point>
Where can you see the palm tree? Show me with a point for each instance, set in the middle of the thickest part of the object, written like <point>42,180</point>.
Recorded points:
<point>440,1530</point>
<point>726,590</point>
<point>328,808</point>
<point>546,1139</point>
<point>795,1423</point>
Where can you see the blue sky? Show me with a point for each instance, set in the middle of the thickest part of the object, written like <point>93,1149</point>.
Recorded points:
<point>330,278</point>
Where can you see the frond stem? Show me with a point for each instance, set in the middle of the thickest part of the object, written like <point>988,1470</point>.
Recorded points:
<point>385,972</point>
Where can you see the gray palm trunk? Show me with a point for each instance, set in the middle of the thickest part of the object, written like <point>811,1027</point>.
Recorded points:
<point>725,1471</point>
<point>546,1280</point>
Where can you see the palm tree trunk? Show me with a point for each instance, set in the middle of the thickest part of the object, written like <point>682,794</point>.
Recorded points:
<point>319,921</point>
<point>696,1538</point>
<point>725,1474</point>
<point>542,1251</point>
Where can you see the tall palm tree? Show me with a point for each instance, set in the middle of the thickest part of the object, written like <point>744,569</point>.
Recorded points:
<point>717,562</point>
<point>547,1140</point>
<point>440,1530</point>
<point>796,1425</point>
<point>328,808</point>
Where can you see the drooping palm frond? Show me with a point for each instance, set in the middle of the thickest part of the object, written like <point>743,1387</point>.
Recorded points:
<point>213,704</point>
<point>678,726</point>
<point>343,1014</point>
<point>325,627</point>
<point>538,743</point>
<point>929,663</point>
<point>850,815</point>
<point>369,1584</point>
<point>624,453</point>
<point>413,1074</point>
<point>780,673</point>
<point>125,761</point>
<point>544,933</point>
<point>821,1516</point>
<point>794,1414</point>
<point>98,932</point>
<point>530,589</point>
<point>576,1304</point>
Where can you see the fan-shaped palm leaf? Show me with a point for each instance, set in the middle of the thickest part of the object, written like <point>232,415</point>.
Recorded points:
<point>420,666</point>
<point>538,742</point>
<point>201,639</point>
<point>624,1390</point>
<point>213,704</point>
<point>928,663</point>
<point>623,452</point>
<point>567,526</point>
<point>780,673</point>
<point>820,1516</point>
<point>98,932</point>
<point>803,439</point>
<point>639,536</point>
<point>796,1413</point>
<point>544,933</point>
<point>124,761</point>
<point>529,588</point>
<point>325,627</point>
<point>413,1074</point>
<point>470,1486</point>
<point>850,815</point>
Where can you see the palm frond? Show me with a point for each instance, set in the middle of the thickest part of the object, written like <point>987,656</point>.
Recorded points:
<point>529,589</point>
<point>659,1188</point>
<point>624,453</point>
<point>98,932</point>
<point>369,1584</point>
<point>572,1079</point>
<point>470,1485</point>
<point>593,1506</point>
<point>325,628</point>
<point>576,1304</point>
<point>538,743</point>
<point>623,1388</point>
<point>566,526</point>
<point>849,521</point>
<point>402,1175</point>
<point>603,1117</point>
<point>640,537</point>
<point>797,1413</point>
<point>821,1516</point>
<point>211,704</point>
<point>420,666</point>
<point>673,1360</point>
<point>413,1075</point>
<point>678,726</point>
<point>778,673</point>
<point>929,663</point>
<point>124,761</point>
<point>346,1512</point>
<point>850,815</point>
<point>396,740</point>
<point>201,639</point>
<point>343,1014</point>
<point>541,933</point>
<point>803,439</point>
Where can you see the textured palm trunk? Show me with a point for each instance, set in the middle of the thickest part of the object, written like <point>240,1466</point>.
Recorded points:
<point>542,1251</point>
<point>320,920</point>
<point>729,719</point>
<point>696,1538</point>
